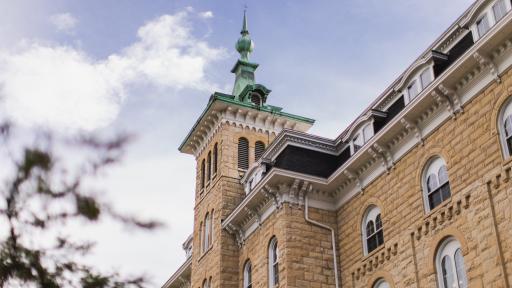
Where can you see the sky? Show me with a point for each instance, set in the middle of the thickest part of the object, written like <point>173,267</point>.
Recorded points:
<point>149,67</point>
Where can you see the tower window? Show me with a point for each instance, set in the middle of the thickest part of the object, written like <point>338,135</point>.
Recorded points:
<point>215,158</point>
<point>243,154</point>
<point>256,99</point>
<point>381,283</point>
<point>258,150</point>
<point>436,185</point>
<point>248,274</point>
<point>413,90</point>
<point>273,263</point>
<point>203,168</point>
<point>209,168</point>
<point>426,78</point>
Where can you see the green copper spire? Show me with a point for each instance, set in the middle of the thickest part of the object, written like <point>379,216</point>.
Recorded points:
<point>244,70</point>
<point>244,45</point>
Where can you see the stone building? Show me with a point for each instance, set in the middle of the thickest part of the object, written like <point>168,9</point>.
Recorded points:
<point>416,192</point>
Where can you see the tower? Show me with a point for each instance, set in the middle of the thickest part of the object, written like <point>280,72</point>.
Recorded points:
<point>229,136</point>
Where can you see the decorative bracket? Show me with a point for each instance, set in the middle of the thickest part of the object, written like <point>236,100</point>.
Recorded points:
<point>385,152</point>
<point>486,62</point>
<point>453,96</point>
<point>238,233</point>
<point>272,193</point>
<point>253,214</point>
<point>444,100</point>
<point>353,177</point>
<point>378,157</point>
<point>410,126</point>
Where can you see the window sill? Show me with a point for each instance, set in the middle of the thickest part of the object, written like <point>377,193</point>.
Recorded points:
<point>374,252</point>
<point>204,253</point>
<point>441,206</point>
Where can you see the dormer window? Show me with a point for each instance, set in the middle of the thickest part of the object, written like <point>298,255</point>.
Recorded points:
<point>426,78</point>
<point>482,25</point>
<point>412,90</point>
<point>361,137</point>
<point>499,9</point>
<point>256,99</point>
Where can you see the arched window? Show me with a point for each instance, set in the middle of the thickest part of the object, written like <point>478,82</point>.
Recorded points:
<point>248,274</point>
<point>256,99</point>
<point>243,154</point>
<point>205,284</point>
<point>207,232</point>
<point>273,263</point>
<point>505,128</point>
<point>201,237</point>
<point>450,265</point>
<point>381,283</point>
<point>373,234</point>
<point>211,228</point>
<point>436,185</point>
<point>209,168</point>
<point>215,158</point>
<point>210,282</point>
<point>202,174</point>
<point>259,148</point>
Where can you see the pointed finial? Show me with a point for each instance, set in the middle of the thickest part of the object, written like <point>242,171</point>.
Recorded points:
<point>244,45</point>
<point>244,25</point>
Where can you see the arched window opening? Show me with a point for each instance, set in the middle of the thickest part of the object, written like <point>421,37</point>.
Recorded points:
<point>205,284</point>
<point>451,272</point>
<point>203,168</point>
<point>505,127</point>
<point>201,237</point>
<point>210,282</point>
<point>248,274</point>
<point>256,99</point>
<point>373,233</point>
<point>207,232</point>
<point>215,158</point>
<point>209,169</point>
<point>273,263</point>
<point>211,228</point>
<point>243,154</point>
<point>259,148</point>
<point>436,185</point>
<point>381,283</point>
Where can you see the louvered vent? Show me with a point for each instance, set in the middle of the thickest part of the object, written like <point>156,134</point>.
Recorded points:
<point>258,150</point>
<point>215,157</point>
<point>243,154</point>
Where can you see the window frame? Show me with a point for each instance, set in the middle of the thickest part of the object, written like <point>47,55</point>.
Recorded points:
<point>370,216</point>
<point>447,251</point>
<point>435,163</point>
<point>505,112</point>
<point>207,232</point>
<point>381,283</point>
<point>495,4</point>
<point>273,263</point>
<point>247,274</point>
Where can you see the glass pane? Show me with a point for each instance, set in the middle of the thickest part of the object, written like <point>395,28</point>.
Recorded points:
<point>508,126</point>
<point>434,199</point>
<point>276,273</point>
<point>509,145</point>
<point>446,267</point>
<point>371,243</point>
<point>482,25</point>
<point>426,78</point>
<point>370,228</point>
<point>442,175</point>
<point>432,183</point>
<point>412,90</point>
<point>461,271</point>
<point>367,132</point>
<point>445,191</point>
<point>499,10</point>
<point>380,237</point>
<point>378,222</point>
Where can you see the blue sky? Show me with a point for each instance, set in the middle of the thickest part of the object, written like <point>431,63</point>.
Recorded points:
<point>149,67</point>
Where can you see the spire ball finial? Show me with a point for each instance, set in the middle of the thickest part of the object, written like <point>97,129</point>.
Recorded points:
<point>244,45</point>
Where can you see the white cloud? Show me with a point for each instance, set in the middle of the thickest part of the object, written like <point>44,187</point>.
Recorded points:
<point>63,88</point>
<point>206,14</point>
<point>64,22</point>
